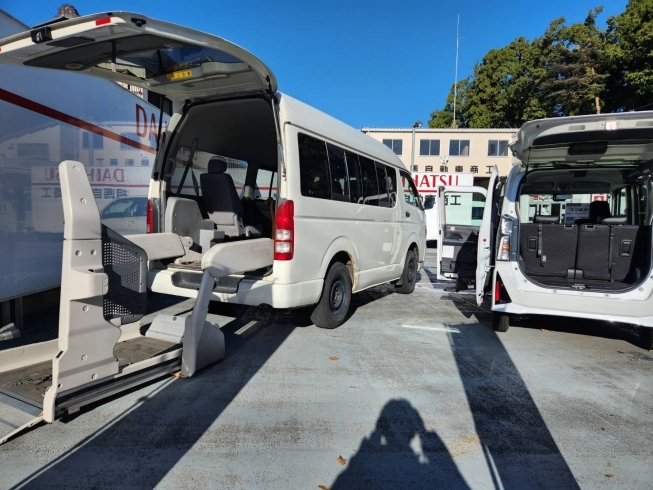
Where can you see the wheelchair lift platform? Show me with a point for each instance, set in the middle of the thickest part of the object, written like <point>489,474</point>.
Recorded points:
<point>103,287</point>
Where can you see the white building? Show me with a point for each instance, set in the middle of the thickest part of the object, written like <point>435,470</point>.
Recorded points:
<point>450,150</point>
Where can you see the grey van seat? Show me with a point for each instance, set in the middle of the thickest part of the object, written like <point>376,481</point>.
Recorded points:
<point>221,201</point>
<point>547,247</point>
<point>183,217</point>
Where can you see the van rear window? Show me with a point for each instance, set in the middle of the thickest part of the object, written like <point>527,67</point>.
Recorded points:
<point>314,168</point>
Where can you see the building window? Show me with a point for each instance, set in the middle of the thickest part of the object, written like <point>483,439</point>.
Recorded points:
<point>132,137</point>
<point>444,168</point>
<point>497,148</point>
<point>33,150</point>
<point>459,168</point>
<point>96,139</point>
<point>145,162</point>
<point>394,145</point>
<point>473,169</point>
<point>429,168</point>
<point>129,162</point>
<point>459,148</point>
<point>415,168</point>
<point>113,161</point>
<point>429,147</point>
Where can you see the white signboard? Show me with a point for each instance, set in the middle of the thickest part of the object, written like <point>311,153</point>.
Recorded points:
<point>574,211</point>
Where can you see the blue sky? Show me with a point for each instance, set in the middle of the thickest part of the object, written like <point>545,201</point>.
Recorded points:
<point>369,63</point>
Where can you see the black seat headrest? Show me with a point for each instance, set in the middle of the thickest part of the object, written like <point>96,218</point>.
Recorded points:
<point>547,219</point>
<point>217,166</point>
<point>615,220</point>
<point>599,210</point>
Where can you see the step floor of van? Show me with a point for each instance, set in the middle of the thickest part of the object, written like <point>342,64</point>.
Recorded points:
<point>29,383</point>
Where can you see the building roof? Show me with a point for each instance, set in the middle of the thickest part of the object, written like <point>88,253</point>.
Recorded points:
<point>440,130</point>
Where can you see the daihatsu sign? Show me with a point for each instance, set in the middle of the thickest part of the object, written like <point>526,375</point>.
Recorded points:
<point>428,182</point>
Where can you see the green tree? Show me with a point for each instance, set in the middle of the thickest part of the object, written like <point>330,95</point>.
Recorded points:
<point>630,51</point>
<point>444,118</point>
<point>576,66</point>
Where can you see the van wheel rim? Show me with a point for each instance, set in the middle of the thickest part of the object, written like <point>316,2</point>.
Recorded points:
<point>337,295</point>
<point>410,272</point>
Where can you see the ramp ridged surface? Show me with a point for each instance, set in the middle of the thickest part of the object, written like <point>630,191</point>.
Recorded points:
<point>15,414</point>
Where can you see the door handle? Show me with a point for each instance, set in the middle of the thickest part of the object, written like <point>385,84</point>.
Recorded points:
<point>407,214</point>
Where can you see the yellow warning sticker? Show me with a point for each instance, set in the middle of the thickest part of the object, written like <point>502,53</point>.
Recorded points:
<point>179,74</point>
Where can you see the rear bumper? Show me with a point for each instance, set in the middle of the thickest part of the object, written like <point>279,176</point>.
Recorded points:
<point>633,307</point>
<point>252,292</point>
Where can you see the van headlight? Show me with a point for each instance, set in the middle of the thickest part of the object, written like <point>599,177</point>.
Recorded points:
<point>503,249</point>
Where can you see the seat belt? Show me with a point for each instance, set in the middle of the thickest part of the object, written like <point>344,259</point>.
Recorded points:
<point>189,164</point>
<point>610,262</point>
<point>539,245</point>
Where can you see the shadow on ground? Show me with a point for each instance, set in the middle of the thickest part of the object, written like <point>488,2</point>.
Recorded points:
<point>140,447</point>
<point>385,459</point>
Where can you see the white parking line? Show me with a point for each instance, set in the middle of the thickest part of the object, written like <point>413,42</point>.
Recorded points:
<point>435,329</point>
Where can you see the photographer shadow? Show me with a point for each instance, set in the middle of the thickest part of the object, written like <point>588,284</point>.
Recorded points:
<point>386,460</point>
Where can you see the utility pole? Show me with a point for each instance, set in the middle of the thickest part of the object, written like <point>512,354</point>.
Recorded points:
<point>455,78</point>
<point>416,124</point>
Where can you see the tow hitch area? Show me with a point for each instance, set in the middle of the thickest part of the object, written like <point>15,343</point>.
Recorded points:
<point>103,287</point>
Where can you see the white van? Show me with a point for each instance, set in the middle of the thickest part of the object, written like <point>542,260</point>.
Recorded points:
<point>241,161</point>
<point>594,260</point>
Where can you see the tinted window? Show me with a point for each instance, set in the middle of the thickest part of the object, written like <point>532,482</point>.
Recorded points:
<point>313,167</point>
<point>392,184</point>
<point>339,182</point>
<point>354,176</point>
<point>370,186</point>
<point>384,200</point>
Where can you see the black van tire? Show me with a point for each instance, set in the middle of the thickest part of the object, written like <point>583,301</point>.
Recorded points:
<point>500,322</point>
<point>409,274</point>
<point>646,338</point>
<point>331,311</point>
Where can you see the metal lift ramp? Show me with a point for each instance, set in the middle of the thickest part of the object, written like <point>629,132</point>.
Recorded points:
<point>103,286</point>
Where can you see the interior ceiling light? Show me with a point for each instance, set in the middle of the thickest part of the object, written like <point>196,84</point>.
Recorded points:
<point>73,66</point>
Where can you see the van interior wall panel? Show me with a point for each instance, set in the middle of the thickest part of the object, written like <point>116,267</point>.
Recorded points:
<point>241,129</point>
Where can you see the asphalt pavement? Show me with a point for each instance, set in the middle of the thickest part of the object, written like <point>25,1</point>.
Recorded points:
<point>413,391</point>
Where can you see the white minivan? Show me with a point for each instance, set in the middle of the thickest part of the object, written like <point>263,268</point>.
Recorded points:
<point>592,261</point>
<point>239,161</point>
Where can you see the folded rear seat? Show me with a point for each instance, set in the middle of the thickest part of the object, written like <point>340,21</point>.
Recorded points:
<point>547,247</point>
<point>594,251</point>
<point>626,243</point>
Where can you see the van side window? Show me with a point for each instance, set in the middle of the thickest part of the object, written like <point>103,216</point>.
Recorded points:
<point>370,185</point>
<point>392,184</point>
<point>338,167</point>
<point>384,198</point>
<point>354,177</point>
<point>265,180</point>
<point>313,167</point>
<point>410,192</point>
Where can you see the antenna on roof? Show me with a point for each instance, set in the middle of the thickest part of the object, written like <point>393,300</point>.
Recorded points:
<point>455,78</point>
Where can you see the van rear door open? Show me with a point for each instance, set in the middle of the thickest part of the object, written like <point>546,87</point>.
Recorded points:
<point>466,240</point>
<point>458,231</point>
<point>169,59</point>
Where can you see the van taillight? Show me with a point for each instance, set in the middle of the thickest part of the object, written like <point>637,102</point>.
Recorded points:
<point>150,217</point>
<point>284,235</point>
